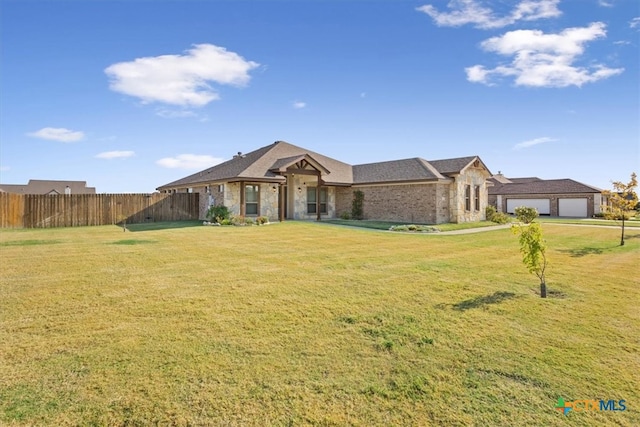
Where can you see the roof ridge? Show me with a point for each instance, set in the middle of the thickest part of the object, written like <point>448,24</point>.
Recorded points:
<point>429,167</point>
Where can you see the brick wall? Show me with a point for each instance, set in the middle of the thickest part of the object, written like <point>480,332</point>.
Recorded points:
<point>419,203</point>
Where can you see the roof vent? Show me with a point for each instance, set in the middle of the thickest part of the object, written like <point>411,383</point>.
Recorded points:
<point>239,155</point>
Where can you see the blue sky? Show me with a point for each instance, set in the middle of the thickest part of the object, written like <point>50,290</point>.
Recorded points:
<point>130,95</point>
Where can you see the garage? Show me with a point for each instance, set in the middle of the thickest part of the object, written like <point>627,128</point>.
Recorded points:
<point>542,205</point>
<point>573,207</point>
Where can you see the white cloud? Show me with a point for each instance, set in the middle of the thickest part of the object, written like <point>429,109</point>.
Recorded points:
<point>4,168</point>
<point>180,79</point>
<point>544,60</point>
<point>604,3</point>
<point>115,155</point>
<point>533,142</point>
<point>58,134</point>
<point>174,114</point>
<point>635,22</point>
<point>189,161</point>
<point>473,12</point>
<point>299,105</point>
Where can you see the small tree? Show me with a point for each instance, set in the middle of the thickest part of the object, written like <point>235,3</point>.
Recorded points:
<point>357,207</point>
<point>526,214</point>
<point>622,200</point>
<point>533,249</point>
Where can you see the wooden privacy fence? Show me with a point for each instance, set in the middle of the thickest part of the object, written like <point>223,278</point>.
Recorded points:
<point>75,210</point>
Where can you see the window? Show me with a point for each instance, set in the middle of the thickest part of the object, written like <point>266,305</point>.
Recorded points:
<point>251,197</point>
<point>312,204</point>
<point>467,197</point>
<point>477,197</point>
<point>189,190</point>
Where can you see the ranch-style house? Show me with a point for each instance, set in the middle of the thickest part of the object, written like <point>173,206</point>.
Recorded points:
<point>283,181</point>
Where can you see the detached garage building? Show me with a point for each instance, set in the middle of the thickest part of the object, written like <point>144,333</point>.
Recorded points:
<point>552,197</point>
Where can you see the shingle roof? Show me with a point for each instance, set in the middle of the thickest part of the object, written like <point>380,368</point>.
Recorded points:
<point>415,169</point>
<point>46,186</point>
<point>542,186</point>
<point>452,166</point>
<point>259,165</point>
<point>264,163</point>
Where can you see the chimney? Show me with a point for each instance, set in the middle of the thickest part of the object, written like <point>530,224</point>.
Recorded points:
<point>501,178</point>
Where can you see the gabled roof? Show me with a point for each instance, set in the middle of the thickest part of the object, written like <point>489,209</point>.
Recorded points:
<point>281,165</point>
<point>415,169</point>
<point>541,186</point>
<point>270,162</point>
<point>456,165</point>
<point>48,186</point>
<point>262,164</point>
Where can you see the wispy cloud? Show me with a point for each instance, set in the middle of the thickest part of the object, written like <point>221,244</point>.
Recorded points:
<point>180,79</point>
<point>58,134</point>
<point>476,13</point>
<point>544,60</point>
<point>532,142</point>
<point>189,161</point>
<point>604,3</point>
<point>115,155</point>
<point>298,105</point>
<point>174,114</point>
<point>635,22</point>
<point>4,168</point>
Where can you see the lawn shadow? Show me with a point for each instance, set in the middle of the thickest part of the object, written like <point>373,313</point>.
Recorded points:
<point>30,242</point>
<point>631,236</point>
<point>484,300</point>
<point>580,252</point>
<point>590,250</point>
<point>151,226</point>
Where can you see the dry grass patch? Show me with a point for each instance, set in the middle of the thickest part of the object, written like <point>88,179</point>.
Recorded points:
<point>305,324</point>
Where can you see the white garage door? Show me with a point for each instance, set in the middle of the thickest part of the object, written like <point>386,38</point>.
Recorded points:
<point>542,205</point>
<point>572,207</point>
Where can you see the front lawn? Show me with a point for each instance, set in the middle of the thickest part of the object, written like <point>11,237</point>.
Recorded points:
<point>386,225</point>
<point>299,323</point>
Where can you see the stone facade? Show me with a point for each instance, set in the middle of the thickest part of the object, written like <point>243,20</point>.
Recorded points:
<point>299,185</point>
<point>268,199</point>
<point>473,177</point>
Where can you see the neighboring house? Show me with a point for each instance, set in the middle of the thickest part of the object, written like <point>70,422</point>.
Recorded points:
<point>283,181</point>
<point>41,186</point>
<point>553,197</point>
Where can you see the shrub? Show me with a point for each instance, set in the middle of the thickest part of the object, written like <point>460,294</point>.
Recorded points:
<point>526,214</point>
<point>237,220</point>
<point>357,207</point>
<point>218,213</point>
<point>249,221</point>
<point>262,220</point>
<point>414,228</point>
<point>490,212</point>
<point>345,215</point>
<point>493,215</point>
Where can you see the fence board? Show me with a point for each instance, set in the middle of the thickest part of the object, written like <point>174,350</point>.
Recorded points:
<point>75,210</point>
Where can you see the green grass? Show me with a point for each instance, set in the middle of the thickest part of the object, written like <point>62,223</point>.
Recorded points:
<point>385,225</point>
<point>590,221</point>
<point>303,324</point>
